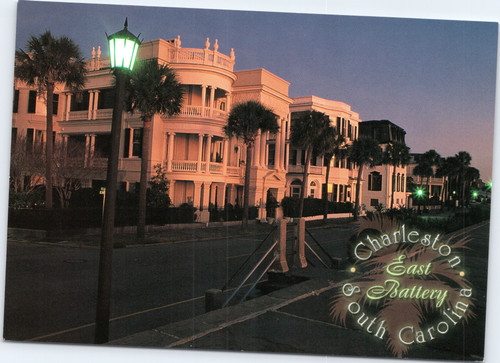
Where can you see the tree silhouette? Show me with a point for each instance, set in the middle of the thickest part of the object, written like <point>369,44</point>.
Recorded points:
<point>244,121</point>
<point>151,89</point>
<point>46,62</point>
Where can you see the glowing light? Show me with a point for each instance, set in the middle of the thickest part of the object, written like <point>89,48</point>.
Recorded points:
<point>123,47</point>
<point>462,274</point>
<point>353,269</point>
<point>419,192</point>
<point>489,185</point>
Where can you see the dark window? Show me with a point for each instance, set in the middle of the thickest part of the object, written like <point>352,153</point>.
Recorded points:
<point>106,98</point>
<point>32,102</point>
<point>16,101</point>
<point>102,146</point>
<point>373,202</point>
<point>334,192</point>
<point>29,139</point>
<point>295,188</point>
<point>375,181</point>
<point>271,153</point>
<point>293,157</point>
<point>55,104</point>
<point>80,101</point>
<point>303,157</point>
<point>137,143</point>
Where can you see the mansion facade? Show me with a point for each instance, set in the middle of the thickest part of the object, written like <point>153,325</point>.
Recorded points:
<point>203,165</point>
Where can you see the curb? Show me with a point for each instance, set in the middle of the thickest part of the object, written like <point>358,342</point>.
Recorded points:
<point>182,332</point>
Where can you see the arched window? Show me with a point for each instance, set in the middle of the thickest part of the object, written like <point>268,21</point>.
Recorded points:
<point>403,183</point>
<point>312,189</point>
<point>375,181</point>
<point>399,182</point>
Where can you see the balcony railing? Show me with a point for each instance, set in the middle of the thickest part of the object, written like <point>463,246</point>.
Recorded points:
<point>300,169</point>
<point>184,165</point>
<point>199,111</point>
<point>200,56</point>
<point>213,168</point>
<point>79,115</point>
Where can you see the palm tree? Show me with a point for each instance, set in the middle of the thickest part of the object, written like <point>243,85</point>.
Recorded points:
<point>244,122</point>
<point>396,154</point>
<point>463,162</point>
<point>448,169</point>
<point>307,131</point>
<point>151,89</point>
<point>471,175</point>
<point>46,62</point>
<point>330,144</point>
<point>363,151</point>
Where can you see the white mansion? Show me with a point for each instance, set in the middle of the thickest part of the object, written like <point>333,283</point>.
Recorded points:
<point>201,163</point>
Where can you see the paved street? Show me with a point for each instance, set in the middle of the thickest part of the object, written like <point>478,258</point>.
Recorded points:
<point>297,320</point>
<point>51,288</point>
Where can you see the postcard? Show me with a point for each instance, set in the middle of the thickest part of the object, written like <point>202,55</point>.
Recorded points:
<point>209,181</point>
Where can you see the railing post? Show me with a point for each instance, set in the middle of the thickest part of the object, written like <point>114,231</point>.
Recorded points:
<point>299,258</point>
<point>280,252</point>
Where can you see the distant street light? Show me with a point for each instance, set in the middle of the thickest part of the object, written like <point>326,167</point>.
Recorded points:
<point>419,192</point>
<point>123,47</point>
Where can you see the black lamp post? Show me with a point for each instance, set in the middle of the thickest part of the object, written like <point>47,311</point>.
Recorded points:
<point>123,47</point>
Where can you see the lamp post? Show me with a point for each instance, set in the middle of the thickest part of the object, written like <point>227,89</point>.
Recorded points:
<point>123,47</point>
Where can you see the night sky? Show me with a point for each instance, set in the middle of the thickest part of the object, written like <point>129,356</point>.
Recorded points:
<point>436,79</point>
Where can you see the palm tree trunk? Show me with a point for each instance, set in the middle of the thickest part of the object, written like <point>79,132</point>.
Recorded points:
<point>143,185</point>
<point>246,188</point>
<point>325,197</point>
<point>358,187</point>
<point>305,181</point>
<point>49,147</point>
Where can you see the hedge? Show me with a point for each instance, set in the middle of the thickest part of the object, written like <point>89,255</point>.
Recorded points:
<point>80,218</point>
<point>312,207</point>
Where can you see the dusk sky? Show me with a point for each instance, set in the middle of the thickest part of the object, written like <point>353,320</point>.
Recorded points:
<point>436,79</point>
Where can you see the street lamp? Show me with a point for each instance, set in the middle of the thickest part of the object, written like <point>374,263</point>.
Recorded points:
<point>123,47</point>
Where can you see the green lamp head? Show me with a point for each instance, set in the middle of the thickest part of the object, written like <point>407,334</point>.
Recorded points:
<point>123,47</point>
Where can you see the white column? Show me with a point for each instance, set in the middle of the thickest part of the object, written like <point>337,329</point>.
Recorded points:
<point>256,150</point>
<point>212,97</point>
<point>207,151</point>
<point>68,106</point>
<point>203,99</point>
<point>91,105</point>
<point>164,147</point>
<point>263,147</point>
<point>96,103</point>
<point>170,154</point>
<point>92,146</point>
<point>87,150</point>
<point>277,151</point>
<point>287,155</point>
<point>283,144</point>
<point>206,193</point>
<point>200,152</point>
<point>225,156</point>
